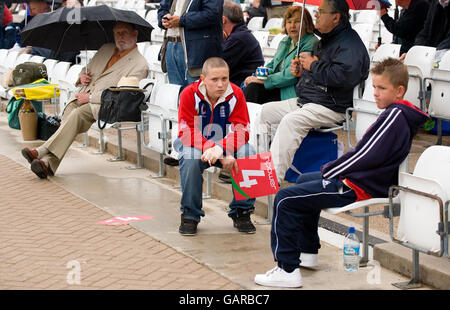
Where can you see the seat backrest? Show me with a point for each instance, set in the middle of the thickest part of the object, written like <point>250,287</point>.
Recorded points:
<point>142,46</point>
<point>262,37</point>
<point>274,22</point>
<point>37,59</point>
<point>151,53</point>
<point>21,59</point>
<point>366,17</point>
<point>419,215</point>
<point>59,71</point>
<point>386,50</point>
<point>434,163</point>
<point>10,59</point>
<point>149,86</point>
<point>3,54</point>
<point>254,112</point>
<point>363,120</point>
<point>167,96</point>
<point>276,40</point>
<point>152,18</point>
<point>255,23</point>
<point>419,60</point>
<point>365,32</point>
<point>73,74</point>
<point>50,65</point>
<point>440,89</point>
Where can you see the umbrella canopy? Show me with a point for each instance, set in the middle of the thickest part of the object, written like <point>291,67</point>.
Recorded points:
<point>75,29</point>
<point>353,4</point>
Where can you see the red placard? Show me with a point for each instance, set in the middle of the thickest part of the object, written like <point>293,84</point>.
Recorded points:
<point>256,177</point>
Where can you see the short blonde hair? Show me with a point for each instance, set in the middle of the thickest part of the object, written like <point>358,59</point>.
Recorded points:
<point>214,62</point>
<point>394,70</point>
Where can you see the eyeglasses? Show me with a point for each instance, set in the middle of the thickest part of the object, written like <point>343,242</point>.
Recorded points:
<point>321,12</point>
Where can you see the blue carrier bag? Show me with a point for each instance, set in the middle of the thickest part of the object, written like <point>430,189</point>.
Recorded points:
<point>317,149</point>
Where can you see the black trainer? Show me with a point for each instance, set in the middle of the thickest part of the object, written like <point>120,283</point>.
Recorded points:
<point>242,221</point>
<point>188,227</point>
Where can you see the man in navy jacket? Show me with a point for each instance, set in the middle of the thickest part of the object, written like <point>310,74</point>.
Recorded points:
<point>241,50</point>
<point>194,32</point>
<point>365,172</point>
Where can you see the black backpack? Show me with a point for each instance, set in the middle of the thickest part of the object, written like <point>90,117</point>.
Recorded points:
<point>28,72</point>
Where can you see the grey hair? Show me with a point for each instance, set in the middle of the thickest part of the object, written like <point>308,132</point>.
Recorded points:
<point>341,7</point>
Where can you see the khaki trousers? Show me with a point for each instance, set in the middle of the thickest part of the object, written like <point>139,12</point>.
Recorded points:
<point>294,123</point>
<point>276,12</point>
<point>75,120</point>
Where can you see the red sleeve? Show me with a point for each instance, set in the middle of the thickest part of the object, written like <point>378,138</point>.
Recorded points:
<point>189,126</point>
<point>239,124</point>
<point>7,16</point>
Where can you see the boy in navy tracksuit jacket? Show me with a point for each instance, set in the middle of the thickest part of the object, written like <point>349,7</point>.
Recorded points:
<point>213,130</point>
<point>364,172</point>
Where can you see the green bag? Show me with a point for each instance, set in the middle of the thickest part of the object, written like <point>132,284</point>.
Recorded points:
<point>13,109</point>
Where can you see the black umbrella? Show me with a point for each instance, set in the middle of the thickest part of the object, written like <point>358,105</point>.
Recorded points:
<point>75,29</point>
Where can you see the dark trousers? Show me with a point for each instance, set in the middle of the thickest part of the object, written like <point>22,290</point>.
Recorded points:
<point>296,216</point>
<point>257,93</point>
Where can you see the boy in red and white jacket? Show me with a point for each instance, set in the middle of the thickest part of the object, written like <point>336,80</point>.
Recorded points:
<point>213,130</point>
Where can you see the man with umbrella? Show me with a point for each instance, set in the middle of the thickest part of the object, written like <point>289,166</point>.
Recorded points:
<point>327,78</point>
<point>109,65</point>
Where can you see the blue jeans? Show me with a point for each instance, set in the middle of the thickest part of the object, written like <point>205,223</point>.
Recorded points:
<point>191,175</point>
<point>296,215</point>
<point>176,66</point>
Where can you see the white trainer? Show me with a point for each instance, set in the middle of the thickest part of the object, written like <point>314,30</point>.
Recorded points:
<point>280,278</point>
<point>309,260</point>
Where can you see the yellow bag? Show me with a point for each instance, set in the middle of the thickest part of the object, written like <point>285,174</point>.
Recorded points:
<point>38,90</point>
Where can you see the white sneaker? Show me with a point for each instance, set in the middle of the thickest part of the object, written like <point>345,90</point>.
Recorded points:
<point>309,260</point>
<point>280,278</point>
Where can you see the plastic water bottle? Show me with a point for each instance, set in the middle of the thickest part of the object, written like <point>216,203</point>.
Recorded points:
<point>351,251</point>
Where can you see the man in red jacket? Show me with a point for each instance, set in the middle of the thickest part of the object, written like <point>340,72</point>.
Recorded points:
<point>213,130</point>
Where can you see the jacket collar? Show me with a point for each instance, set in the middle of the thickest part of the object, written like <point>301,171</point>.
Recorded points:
<point>201,92</point>
<point>239,27</point>
<point>336,30</point>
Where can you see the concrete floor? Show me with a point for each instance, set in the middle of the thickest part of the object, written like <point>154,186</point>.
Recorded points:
<point>123,192</point>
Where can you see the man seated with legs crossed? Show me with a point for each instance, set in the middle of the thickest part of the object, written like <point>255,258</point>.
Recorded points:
<point>327,78</point>
<point>213,130</point>
<point>110,63</point>
<point>365,172</point>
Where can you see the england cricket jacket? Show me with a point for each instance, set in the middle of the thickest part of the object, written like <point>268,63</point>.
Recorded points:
<point>203,126</point>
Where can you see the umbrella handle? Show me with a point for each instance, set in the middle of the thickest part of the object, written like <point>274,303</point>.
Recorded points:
<point>301,28</point>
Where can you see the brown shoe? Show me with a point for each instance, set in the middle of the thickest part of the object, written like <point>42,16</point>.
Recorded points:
<point>41,169</point>
<point>29,155</point>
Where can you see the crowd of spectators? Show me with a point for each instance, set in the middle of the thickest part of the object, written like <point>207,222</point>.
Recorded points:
<point>212,54</point>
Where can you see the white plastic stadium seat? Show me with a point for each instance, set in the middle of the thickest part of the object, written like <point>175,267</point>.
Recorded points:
<point>153,122</point>
<point>21,59</point>
<point>59,71</point>
<point>255,23</point>
<point>424,200</point>
<point>386,50</point>
<point>37,59</point>
<point>9,61</point>
<point>262,37</point>
<point>274,22</point>
<point>419,61</point>
<point>50,64</point>
<point>365,32</point>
